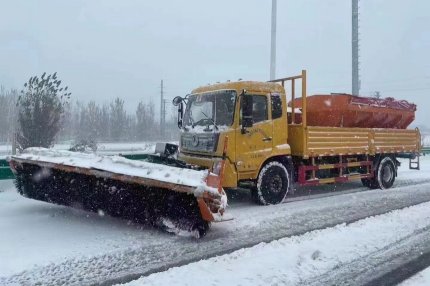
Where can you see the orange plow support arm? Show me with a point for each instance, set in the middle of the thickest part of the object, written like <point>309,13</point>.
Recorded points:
<point>212,208</point>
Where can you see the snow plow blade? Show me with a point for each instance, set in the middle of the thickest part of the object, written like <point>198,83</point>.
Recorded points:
<point>173,198</point>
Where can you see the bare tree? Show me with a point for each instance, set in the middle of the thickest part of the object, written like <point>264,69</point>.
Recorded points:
<point>8,113</point>
<point>118,120</point>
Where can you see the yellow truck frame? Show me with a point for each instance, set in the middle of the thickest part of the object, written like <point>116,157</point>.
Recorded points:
<point>275,153</point>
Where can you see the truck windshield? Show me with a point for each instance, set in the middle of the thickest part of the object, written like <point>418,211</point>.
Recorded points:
<point>214,108</point>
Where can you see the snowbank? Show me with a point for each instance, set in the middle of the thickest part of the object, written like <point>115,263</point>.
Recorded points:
<point>294,260</point>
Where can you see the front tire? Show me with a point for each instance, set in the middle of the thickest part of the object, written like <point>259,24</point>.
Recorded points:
<point>273,184</point>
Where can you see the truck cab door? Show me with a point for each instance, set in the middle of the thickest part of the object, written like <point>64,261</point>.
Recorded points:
<point>254,145</point>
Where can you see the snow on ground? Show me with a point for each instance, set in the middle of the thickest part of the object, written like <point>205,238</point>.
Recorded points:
<point>41,242</point>
<point>420,279</point>
<point>34,232</point>
<point>290,261</point>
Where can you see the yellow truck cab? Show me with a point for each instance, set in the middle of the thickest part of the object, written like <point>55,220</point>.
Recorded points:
<point>267,148</point>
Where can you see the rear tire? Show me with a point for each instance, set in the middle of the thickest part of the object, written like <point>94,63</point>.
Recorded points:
<point>384,176</point>
<point>273,184</point>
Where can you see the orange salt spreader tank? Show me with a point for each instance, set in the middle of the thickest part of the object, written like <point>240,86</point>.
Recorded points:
<point>346,110</point>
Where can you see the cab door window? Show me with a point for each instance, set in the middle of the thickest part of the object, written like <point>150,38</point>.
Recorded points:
<point>276,106</point>
<point>259,108</point>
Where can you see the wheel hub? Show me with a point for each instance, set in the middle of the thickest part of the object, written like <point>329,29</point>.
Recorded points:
<point>388,174</point>
<point>276,184</point>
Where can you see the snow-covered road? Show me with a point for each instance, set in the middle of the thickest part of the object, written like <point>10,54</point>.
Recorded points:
<point>58,245</point>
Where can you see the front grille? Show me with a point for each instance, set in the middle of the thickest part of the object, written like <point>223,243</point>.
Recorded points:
<point>199,142</point>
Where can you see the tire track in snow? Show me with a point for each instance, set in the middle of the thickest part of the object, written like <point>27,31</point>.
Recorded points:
<point>343,189</point>
<point>242,199</point>
<point>405,271</point>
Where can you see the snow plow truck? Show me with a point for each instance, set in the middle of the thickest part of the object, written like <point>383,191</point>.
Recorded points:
<point>265,136</point>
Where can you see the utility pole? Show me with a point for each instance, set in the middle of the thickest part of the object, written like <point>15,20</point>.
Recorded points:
<point>164,111</point>
<point>355,50</point>
<point>162,106</point>
<point>273,43</point>
<point>165,101</point>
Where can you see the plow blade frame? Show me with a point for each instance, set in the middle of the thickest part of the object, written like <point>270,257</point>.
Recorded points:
<point>134,198</point>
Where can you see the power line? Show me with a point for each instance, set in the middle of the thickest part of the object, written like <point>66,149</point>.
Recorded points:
<point>398,80</point>
<point>380,83</point>
<point>407,89</point>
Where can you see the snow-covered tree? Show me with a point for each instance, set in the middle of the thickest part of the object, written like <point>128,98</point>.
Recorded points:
<point>40,110</point>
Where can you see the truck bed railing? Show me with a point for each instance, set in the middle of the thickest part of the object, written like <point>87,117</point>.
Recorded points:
<point>293,79</point>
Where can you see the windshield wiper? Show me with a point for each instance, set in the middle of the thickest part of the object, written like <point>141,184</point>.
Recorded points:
<point>208,119</point>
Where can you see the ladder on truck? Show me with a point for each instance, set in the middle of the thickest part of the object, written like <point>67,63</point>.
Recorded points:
<point>414,163</point>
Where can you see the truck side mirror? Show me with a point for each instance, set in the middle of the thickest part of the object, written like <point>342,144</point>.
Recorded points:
<point>179,102</point>
<point>247,120</point>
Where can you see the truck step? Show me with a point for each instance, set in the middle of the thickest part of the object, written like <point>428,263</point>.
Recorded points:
<point>414,164</point>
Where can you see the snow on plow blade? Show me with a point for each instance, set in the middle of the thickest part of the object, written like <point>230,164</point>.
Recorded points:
<point>171,197</point>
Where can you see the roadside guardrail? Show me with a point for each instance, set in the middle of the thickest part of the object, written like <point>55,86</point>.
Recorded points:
<point>5,171</point>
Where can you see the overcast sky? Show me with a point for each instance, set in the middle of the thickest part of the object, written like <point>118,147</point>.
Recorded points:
<point>105,49</point>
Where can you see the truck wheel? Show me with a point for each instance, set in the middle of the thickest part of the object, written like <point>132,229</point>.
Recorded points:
<point>386,173</point>
<point>273,184</point>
